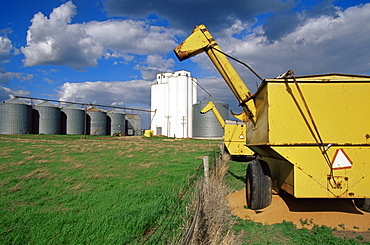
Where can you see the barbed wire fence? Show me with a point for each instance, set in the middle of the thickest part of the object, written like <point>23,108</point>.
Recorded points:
<point>208,216</point>
<point>161,234</point>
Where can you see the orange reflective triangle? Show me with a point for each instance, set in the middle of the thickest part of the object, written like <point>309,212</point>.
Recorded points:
<point>341,160</point>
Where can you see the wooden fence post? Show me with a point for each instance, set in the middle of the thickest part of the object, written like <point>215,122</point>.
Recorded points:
<point>206,171</point>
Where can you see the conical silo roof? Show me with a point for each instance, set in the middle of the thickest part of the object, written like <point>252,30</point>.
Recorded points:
<point>72,107</point>
<point>15,101</point>
<point>46,104</point>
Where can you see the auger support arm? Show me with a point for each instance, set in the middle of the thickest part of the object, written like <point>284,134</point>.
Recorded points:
<point>202,41</point>
<point>211,106</point>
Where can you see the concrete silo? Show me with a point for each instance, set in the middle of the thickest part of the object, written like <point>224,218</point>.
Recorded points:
<point>46,118</point>
<point>116,122</point>
<point>72,120</point>
<point>172,98</point>
<point>206,125</point>
<point>15,117</point>
<point>96,121</point>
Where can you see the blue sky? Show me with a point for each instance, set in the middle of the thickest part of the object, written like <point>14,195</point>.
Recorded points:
<point>109,51</point>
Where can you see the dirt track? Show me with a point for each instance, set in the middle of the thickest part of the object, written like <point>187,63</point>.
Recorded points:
<point>335,213</point>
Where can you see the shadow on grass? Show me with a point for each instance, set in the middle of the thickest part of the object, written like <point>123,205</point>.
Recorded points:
<point>241,178</point>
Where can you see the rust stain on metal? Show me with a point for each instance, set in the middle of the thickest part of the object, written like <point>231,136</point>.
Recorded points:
<point>181,55</point>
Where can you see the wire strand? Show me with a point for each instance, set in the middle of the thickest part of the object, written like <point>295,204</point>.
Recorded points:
<point>246,65</point>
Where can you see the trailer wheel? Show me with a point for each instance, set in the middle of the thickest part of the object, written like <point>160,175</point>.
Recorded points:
<point>363,204</point>
<point>258,185</point>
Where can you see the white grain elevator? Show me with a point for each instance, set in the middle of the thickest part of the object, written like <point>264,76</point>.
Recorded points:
<point>172,99</point>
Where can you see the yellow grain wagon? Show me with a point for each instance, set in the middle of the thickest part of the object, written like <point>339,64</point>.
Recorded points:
<point>311,133</point>
<point>234,134</point>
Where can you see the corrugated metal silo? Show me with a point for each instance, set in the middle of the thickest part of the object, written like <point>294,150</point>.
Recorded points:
<point>46,118</point>
<point>206,125</point>
<point>72,120</point>
<point>96,121</point>
<point>116,122</point>
<point>15,117</point>
<point>133,125</point>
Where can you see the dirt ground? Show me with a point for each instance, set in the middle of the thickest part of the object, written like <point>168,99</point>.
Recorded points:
<point>335,213</point>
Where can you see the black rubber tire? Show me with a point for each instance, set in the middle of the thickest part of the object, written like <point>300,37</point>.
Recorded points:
<point>258,185</point>
<point>363,204</point>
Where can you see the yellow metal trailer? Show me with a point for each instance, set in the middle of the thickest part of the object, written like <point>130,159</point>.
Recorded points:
<point>235,133</point>
<point>311,133</point>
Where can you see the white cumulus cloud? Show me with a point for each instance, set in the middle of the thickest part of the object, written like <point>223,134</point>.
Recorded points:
<point>6,76</point>
<point>132,37</point>
<point>54,41</point>
<point>153,65</point>
<point>6,93</point>
<point>130,93</point>
<point>5,49</point>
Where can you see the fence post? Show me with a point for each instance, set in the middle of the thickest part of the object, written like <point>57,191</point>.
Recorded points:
<point>206,171</point>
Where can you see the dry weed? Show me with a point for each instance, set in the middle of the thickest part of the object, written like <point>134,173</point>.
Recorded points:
<point>4,153</point>
<point>222,166</point>
<point>16,188</point>
<point>16,163</point>
<point>146,165</point>
<point>3,167</point>
<point>214,224</point>
<point>79,188</point>
<point>39,173</point>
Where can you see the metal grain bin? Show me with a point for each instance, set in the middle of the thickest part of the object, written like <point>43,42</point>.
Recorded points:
<point>15,117</point>
<point>46,118</point>
<point>96,121</point>
<point>116,122</point>
<point>206,125</point>
<point>133,125</point>
<point>72,120</point>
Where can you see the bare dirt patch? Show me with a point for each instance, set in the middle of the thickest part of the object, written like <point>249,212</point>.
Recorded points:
<point>340,214</point>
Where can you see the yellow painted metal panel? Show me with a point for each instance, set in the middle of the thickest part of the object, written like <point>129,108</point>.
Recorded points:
<point>282,173</point>
<point>340,111</point>
<point>311,172</point>
<point>235,139</point>
<point>258,132</point>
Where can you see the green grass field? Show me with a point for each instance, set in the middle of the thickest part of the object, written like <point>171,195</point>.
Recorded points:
<point>111,190</point>
<point>66,190</point>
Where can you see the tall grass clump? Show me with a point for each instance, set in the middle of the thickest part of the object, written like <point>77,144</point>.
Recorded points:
<point>215,222</point>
